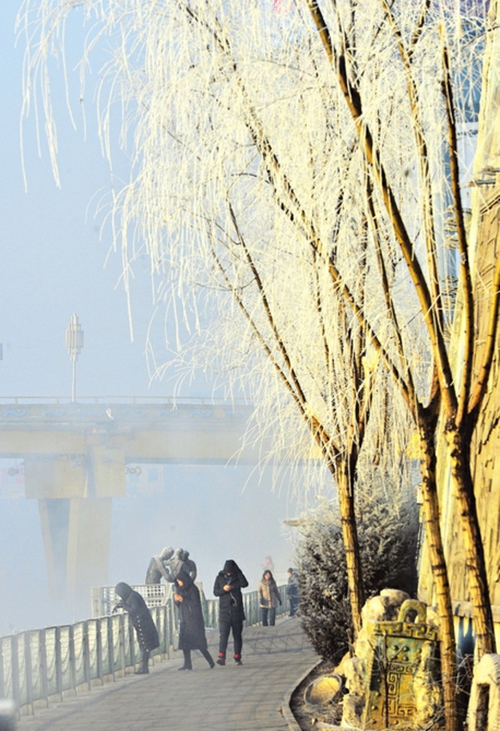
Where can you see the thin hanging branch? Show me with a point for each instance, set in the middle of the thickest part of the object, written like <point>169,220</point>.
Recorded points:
<point>463,250</point>
<point>265,303</point>
<point>423,160</point>
<point>353,99</point>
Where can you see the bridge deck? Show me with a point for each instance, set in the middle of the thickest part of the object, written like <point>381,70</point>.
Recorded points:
<point>226,698</point>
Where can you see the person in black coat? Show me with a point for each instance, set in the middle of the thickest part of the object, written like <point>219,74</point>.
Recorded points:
<point>228,585</point>
<point>140,616</point>
<point>192,625</point>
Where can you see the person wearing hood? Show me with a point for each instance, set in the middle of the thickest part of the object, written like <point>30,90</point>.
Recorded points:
<point>228,585</point>
<point>269,598</point>
<point>192,625</point>
<point>140,616</point>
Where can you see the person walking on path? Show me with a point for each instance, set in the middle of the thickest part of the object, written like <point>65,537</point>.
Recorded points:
<point>292,591</point>
<point>228,585</point>
<point>192,625</point>
<point>269,598</point>
<point>140,616</point>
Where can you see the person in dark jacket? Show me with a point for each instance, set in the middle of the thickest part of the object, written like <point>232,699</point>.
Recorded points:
<point>228,585</point>
<point>140,616</point>
<point>292,591</point>
<point>192,625</point>
<point>269,598</point>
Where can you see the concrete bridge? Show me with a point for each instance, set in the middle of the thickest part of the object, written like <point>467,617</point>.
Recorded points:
<point>76,455</point>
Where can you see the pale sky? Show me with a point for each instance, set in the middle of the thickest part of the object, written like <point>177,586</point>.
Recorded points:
<point>53,266</point>
<point>53,258</point>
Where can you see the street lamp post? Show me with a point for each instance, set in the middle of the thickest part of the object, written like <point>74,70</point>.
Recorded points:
<point>74,344</point>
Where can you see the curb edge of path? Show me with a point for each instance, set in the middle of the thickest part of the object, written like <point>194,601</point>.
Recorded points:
<point>286,710</point>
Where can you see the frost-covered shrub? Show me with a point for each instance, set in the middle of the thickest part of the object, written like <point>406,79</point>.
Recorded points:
<point>324,607</point>
<point>388,530</point>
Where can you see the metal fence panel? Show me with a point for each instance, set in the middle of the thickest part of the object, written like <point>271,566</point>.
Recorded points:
<point>22,674</point>
<point>39,665</point>
<point>79,650</point>
<point>50,650</point>
<point>92,649</point>
<point>8,691</point>
<point>64,658</point>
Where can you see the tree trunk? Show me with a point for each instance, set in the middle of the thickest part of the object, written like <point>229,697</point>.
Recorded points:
<point>458,445</point>
<point>351,545</point>
<point>439,573</point>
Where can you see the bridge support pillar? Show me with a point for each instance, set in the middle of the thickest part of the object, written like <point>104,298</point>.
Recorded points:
<point>76,536</point>
<point>54,521</point>
<point>89,533</point>
<point>74,494</point>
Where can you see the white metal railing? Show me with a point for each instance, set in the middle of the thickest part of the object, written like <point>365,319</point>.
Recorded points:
<point>43,666</point>
<point>171,400</point>
<point>103,598</point>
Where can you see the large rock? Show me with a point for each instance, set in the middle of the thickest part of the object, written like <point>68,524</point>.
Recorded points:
<point>324,689</point>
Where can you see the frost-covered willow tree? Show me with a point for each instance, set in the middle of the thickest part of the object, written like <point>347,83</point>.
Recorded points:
<point>209,202</point>
<point>455,393</point>
<point>293,167</point>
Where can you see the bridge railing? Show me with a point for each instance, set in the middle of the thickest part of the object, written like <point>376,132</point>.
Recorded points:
<point>45,666</point>
<point>136,400</point>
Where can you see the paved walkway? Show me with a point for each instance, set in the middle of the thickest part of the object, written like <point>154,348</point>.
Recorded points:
<point>229,698</point>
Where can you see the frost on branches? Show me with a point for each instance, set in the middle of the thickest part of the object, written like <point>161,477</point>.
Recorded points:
<point>297,176</point>
<point>249,190</point>
<point>388,532</point>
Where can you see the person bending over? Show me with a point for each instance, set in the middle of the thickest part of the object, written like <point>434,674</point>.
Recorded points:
<point>140,616</point>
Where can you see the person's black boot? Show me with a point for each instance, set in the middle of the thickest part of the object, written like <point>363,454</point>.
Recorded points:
<point>144,669</point>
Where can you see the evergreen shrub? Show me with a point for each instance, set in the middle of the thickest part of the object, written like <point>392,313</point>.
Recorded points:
<point>388,534</point>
